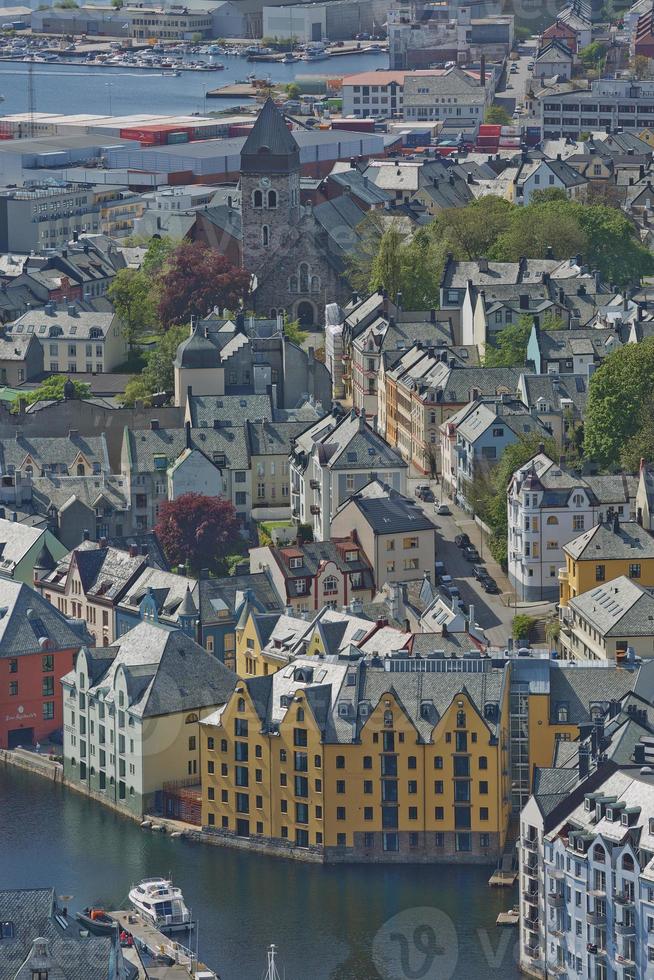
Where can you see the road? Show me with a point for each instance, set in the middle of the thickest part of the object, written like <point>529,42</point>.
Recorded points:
<point>512,89</point>
<point>494,613</point>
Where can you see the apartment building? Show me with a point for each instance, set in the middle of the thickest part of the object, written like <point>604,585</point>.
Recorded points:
<point>586,848</point>
<point>607,104</point>
<point>474,438</point>
<point>74,455</point>
<point>332,460</point>
<point>359,763</point>
<point>89,582</point>
<point>132,714</point>
<point>373,93</point>
<point>21,359</point>
<point>424,388</point>
<point>310,576</point>
<point>448,94</point>
<point>225,604</point>
<point>605,552</point>
<point>74,341</point>
<point>38,646</point>
<point>176,23</point>
<point>612,621</point>
<point>270,444</point>
<point>549,505</point>
<point>394,532</point>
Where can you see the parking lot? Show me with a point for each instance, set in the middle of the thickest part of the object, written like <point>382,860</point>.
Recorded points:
<point>493,613</point>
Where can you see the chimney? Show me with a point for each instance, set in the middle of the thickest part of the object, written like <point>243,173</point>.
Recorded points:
<point>85,534</point>
<point>482,265</point>
<point>73,433</point>
<point>524,301</point>
<point>616,523</point>
<point>133,549</point>
<point>102,543</point>
<point>482,71</point>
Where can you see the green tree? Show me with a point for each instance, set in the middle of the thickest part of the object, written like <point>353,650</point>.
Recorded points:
<point>593,55</point>
<point>293,331</point>
<point>551,321</point>
<point>293,91</point>
<point>422,261</point>
<point>612,245</point>
<point>496,115</point>
<point>641,444</point>
<point>522,626</point>
<point>157,375</point>
<point>471,231</point>
<point>509,347</point>
<point>359,263</point>
<point>617,392</point>
<point>535,228</point>
<point>52,389</point>
<point>130,293</point>
<point>157,255</point>
<point>386,271</point>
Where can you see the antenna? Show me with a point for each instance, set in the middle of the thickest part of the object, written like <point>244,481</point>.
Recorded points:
<point>272,973</point>
<point>31,100</point>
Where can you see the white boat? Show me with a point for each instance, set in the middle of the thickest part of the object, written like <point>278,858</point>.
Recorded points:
<point>162,904</point>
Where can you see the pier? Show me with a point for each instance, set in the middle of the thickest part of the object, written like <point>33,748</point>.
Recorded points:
<point>172,961</point>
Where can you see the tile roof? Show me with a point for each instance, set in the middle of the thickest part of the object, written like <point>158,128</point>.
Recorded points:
<point>273,438</point>
<point>146,444</point>
<point>60,323</point>
<point>612,540</point>
<point>53,451</point>
<point>167,589</point>
<point>207,410</point>
<point>580,684</point>
<point>348,443</point>
<point>106,573</point>
<point>228,594</point>
<point>618,608</point>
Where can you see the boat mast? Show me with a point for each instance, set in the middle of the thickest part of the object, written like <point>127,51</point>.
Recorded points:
<point>272,973</point>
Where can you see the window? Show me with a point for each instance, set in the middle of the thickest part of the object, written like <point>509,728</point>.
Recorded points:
<point>578,522</point>
<point>600,573</point>
<point>13,689</point>
<point>634,570</point>
<point>265,236</point>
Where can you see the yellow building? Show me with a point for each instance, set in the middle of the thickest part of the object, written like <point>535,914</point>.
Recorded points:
<point>363,763</point>
<point>605,552</point>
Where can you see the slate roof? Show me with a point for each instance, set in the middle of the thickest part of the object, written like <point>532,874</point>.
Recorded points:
<point>612,540</point>
<point>166,671</point>
<point>34,914</point>
<point>586,684</point>
<point>618,608</point>
<point>227,594</point>
<point>197,351</point>
<point>166,589</point>
<point>270,147</point>
<point>485,274</point>
<point>30,624</point>
<point>387,511</point>
<point>317,552</point>
<point>59,491</point>
<point>553,389</point>
<point>206,410</point>
<point>424,696</point>
<point>146,444</point>
<point>423,372</point>
<point>14,348</point>
<point>16,540</point>
<point>273,438</point>
<point>59,452</point>
<point>106,573</point>
<point>348,444</point>
<point>147,544</point>
<point>61,323</point>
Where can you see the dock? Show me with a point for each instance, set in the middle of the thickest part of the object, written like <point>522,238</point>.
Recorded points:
<point>509,918</point>
<point>172,961</point>
<point>239,90</point>
<point>503,879</point>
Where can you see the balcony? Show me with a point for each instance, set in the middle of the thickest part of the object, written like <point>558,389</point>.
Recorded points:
<point>530,843</point>
<point>531,895</point>
<point>556,969</point>
<point>624,961</point>
<point>533,952</point>
<point>596,951</point>
<point>531,869</point>
<point>596,918</point>
<point>556,899</point>
<point>625,928</point>
<point>531,921</point>
<point>624,900</point>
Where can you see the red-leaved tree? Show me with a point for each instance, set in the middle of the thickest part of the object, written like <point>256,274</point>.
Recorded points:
<point>194,279</point>
<point>197,530</point>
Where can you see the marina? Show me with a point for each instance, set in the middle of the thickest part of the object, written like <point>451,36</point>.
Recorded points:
<point>332,923</point>
<point>172,960</point>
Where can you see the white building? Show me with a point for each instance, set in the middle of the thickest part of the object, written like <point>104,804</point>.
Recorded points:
<point>587,873</point>
<point>548,506</point>
<point>331,461</point>
<point>74,341</point>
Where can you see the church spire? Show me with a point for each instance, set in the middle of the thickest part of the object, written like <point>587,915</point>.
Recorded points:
<point>270,148</point>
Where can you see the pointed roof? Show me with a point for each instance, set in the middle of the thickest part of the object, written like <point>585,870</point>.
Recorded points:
<point>270,146</point>
<point>45,561</point>
<point>187,608</point>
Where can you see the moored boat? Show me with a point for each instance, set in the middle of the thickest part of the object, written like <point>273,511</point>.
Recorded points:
<point>162,904</point>
<point>96,921</point>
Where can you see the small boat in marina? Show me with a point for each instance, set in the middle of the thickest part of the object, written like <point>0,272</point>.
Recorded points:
<point>289,58</point>
<point>96,921</point>
<point>171,73</point>
<point>162,904</point>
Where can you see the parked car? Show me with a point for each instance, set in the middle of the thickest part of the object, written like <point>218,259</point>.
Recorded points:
<point>489,585</point>
<point>479,572</point>
<point>462,540</point>
<point>443,510</point>
<point>514,69</point>
<point>420,489</point>
<point>428,496</point>
<point>445,580</point>
<point>450,591</point>
<point>471,554</point>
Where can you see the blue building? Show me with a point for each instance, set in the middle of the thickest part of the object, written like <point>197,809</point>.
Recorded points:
<point>222,602</point>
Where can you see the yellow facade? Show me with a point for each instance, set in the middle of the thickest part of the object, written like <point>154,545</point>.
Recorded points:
<point>388,796</point>
<point>581,576</point>
<point>543,733</point>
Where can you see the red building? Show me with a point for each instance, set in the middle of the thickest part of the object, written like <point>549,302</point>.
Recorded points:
<point>37,647</point>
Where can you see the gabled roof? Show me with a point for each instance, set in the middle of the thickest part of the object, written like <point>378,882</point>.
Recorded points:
<point>612,540</point>
<point>387,511</point>
<point>618,608</point>
<point>30,624</point>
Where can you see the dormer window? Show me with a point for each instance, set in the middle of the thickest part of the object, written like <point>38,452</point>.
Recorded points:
<point>562,713</point>
<point>351,556</point>
<point>296,562</point>
<point>7,930</point>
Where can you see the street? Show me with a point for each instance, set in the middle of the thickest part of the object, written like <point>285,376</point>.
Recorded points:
<point>493,613</point>
<point>511,92</point>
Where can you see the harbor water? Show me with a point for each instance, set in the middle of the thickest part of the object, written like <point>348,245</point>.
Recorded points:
<point>329,923</point>
<point>119,91</point>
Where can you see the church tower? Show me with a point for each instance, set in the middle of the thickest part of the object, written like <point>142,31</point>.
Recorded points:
<point>270,187</point>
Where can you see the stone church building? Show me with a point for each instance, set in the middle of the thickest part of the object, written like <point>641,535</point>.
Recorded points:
<point>295,252</point>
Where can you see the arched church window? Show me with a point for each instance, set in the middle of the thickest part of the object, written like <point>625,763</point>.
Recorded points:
<point>304,277</point>
<point>292,284</point>
<point>315,284</point>
<point>272,199</point>
<point>265,236</point>
<point>257,199</point>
